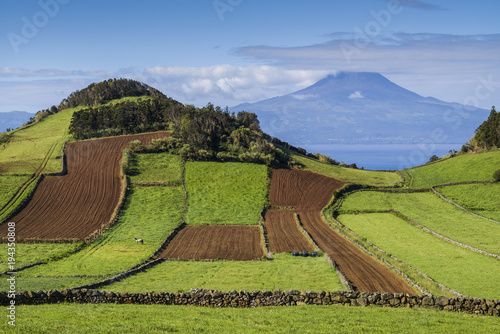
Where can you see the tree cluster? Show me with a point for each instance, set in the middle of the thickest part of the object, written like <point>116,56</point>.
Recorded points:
<point>487,135</point>
<point>100,93</point>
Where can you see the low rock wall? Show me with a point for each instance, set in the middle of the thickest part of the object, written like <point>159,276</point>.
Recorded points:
<point>212,298</point>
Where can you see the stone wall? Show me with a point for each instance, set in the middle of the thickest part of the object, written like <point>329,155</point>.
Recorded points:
<point>212,298</point>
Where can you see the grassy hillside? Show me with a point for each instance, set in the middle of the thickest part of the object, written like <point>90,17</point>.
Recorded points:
<point>468,167</point>
<point>225,193</point>
<point>283,272</point>
<point>156,167</point>
<point>39,143</point>
<point>465,271</point>
<point>432,212</point>
<point>349,175</point>
<point>109,318</point>
<point>482,199</point>
<point>151,213</point>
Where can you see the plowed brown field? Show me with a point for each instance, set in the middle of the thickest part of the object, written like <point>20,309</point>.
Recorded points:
<point>206,242</point>
<point>302,189</point>
<point>76,204</point>
<point>283,233</point>
<point>309,193</point>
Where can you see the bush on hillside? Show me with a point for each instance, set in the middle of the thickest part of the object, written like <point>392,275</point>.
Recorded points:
<point>496,175</point>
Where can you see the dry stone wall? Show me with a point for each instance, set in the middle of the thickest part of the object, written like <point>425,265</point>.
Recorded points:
<point>212,298</point>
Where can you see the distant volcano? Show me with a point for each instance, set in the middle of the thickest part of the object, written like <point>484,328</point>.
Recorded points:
<point>364,108</point>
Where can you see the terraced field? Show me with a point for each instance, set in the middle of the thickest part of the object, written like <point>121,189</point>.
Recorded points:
<point>212,242</point>
<point>309,193</point>
<point>432,212</point>
<point>460,269</point>
<point>283,233</point>
<point>77,204</point>
<point>468,167</point>
<point>482,199</point>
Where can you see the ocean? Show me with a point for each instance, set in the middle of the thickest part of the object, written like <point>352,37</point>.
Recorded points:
<point>383,157</point>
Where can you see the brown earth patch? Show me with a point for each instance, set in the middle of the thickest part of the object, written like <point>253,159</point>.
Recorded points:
<point>75,205</point>
<point>210,242</point>
<point>309,193</point>
<point>283,233</point>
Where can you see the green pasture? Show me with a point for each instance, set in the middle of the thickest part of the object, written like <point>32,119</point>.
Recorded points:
<point>283,272</point>
<point>349,175</point>
<point>225,193</point>
<point>26,254</point>
<point>150,213</point>
<point>429,210</point>
<point>8,208</point>
<point>111,318</point>
<point>468,167</point>
<point>156,167</point>
<point>460,269</point>
<point>39,143</point>
<point>9,185</point>
<point>482,199</point>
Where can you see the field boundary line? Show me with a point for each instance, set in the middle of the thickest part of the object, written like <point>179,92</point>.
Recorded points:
<point>346,283</point>
<point>457,205</point>
<point>456,243</point>
<point>265,241</point>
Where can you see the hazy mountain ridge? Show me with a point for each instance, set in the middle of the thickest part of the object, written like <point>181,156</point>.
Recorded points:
<point>13,119</point>
<point>362,108</point>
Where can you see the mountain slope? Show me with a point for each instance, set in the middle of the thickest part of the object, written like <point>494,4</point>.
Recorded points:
<point>363,108</point>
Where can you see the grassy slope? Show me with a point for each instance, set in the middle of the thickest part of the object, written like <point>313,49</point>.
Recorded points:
<point>30,253</point>
<point>225,193</point>
<point>156,167</point>
<point>469,167</point>
<point>284,272</point>
<point>465,271</point>
<point>483,199</point>
<point>432,212</point>
<point>9,185</point>
<point>349,175</point>
<point>28,147</point>
<point>109,318</point>
<point>150,213</point>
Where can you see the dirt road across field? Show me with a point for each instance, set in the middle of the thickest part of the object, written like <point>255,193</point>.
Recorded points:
<point>207,242</point>
<point>308,193</point>
<point>76,204</point>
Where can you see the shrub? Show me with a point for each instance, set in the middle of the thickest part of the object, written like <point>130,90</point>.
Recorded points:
<point>496,175</point>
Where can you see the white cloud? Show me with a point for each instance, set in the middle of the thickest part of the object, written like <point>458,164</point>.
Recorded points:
<point>356,95</point>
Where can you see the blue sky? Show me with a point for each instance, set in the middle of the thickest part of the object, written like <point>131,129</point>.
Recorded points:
<point>233,51</point>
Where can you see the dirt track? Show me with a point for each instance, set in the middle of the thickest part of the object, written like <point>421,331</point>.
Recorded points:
<point>206,242</point>
<point>309,193</point>
<point>283,233</point>
<point>77,204</point>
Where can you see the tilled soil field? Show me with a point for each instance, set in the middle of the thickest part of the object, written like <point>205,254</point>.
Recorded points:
<point>283,233</point>
<point>302,189</point>
<point>309,193</point>
<point>210,242</point>
<point>76,204</point>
